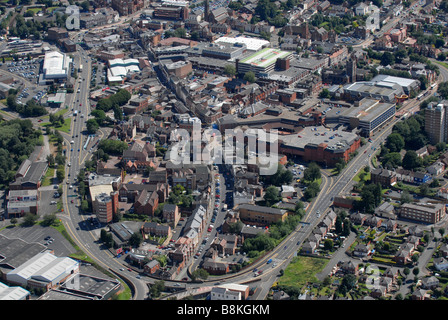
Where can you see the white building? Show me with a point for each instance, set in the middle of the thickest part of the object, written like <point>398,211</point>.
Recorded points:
<point>119,69</point>
<point>436,168</point>
<point>13,293</point>
<point>288,191</point>
<point>224,294</point>
<point>252,44</point>
<point>230,291</point>
<point>56,66</point>
<point>43,270</point>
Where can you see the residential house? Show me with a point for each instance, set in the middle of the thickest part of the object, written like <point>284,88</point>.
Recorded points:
<point>171,214</point>
<point>436,168</point>
<point>349,267</point>
<point>309,247</point>
<point>151,267</point>
<point>384,177</point>
<point>215,267</point>
<point>378,291</point>
<point>390,225</point>
<point>361,250</point>
<point>358,218</point>
<point>404,253</point>
<point>420,294</point>
<point>444,250</point>
<point>373,221</point>
<point>386,210</point>
<point>440,264</point>
<point>147,203</point>
<point>430,283</point>
<point>391,273</point>
<point>156,229</point>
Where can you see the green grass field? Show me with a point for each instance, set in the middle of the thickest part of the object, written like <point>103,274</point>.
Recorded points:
<point>301,271</point>
<point>65,127</point>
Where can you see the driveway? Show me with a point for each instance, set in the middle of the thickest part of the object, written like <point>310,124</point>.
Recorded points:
<point>339,255</point>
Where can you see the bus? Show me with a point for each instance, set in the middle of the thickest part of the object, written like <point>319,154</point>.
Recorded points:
<point>80,68</point>
<point>419,96</point>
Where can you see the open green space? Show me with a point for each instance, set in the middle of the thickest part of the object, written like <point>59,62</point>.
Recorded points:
<point>65,127</point>
<point>300,271</point>
<point>48,177</point>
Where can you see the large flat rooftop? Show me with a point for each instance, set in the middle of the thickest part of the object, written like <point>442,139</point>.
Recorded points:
<point>265,57</point>
<point>335,140</point>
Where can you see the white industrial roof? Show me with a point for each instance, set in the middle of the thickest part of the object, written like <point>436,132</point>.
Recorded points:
<point>12,293</point>
<point>123,63</point>
<point>33,265</point>
<point>44,267</point>
<point>118,71</point>
<point>252,44</point>
<point>55,64</point>
<point>403,82</point>
<point>54,269</point>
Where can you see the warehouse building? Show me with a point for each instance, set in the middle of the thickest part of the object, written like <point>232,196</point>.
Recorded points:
<point>119,69</point>
<point>44,270</point>
<point>406,84</point>
<point>13,293</point>
<point>56,68</point>
<point>385,91</point>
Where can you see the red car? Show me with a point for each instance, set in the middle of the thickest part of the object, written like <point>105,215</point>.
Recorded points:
<point>72,201</point>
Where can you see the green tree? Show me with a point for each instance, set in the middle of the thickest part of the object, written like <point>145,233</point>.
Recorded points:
<point>424,189</point>
<point>136,239</point>
<point>199,274</point>
<point>281,177</point>
<point>370,197</point>
<point>325,93</point>
<point>230,70</point>
<point>405,197</point>
<point>311,191</point>
<point>60,174</point>
<point>328,244</point>
<point>157,288</point>
<point>395,142</point>
<point>391,160</point>
<point>49,220</point>
<point>387,59</point>
<point>271,196</point>
<point>92,126</point>
<point>29,219</point>
<point>312,172</point>
<point>411,160</point>
<point>249,76</point>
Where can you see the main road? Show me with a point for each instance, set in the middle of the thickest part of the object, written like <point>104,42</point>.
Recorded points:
<point>74,220</point>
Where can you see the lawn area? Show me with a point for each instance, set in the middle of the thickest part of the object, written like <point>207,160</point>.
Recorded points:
<point>48,177</point>
<point>302,270</point>
<point>50,9</point>
<point>444,64</point>
<point>366,176</point>
<point>35,10</point>
<point>65,127</point>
